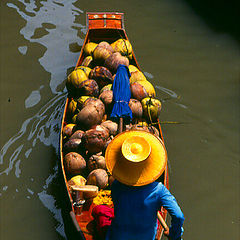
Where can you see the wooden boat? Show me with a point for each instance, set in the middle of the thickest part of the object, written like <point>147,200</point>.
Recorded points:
<point>101,26</point>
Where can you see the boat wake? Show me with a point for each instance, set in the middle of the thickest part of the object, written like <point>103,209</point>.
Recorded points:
<point>42,128</point>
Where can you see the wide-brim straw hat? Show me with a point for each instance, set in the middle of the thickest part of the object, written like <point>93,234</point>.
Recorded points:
<point>136,158</point>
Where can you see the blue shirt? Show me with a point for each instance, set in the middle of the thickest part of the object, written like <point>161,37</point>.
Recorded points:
<point>135,210</point>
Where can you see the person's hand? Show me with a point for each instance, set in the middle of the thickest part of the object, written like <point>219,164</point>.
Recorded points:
<point>166,233</point>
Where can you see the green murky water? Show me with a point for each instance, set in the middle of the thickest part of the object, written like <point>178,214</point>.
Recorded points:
<point>191,55</point>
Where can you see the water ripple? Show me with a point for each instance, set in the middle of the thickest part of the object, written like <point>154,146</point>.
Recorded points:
<point>46,25</point>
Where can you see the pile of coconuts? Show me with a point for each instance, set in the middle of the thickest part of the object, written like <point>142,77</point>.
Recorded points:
<point>88,128</point>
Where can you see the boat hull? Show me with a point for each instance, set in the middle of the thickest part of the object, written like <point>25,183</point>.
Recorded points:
<point>101,27</point>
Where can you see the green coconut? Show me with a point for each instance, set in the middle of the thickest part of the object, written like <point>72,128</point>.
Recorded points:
<point>133,68</point>
<point>88,62</point>
<point>137,76</point>
<point>87,70</point>
<point>151,108</point>
<point>89,48</point>
<point>123,46</point>
<point>75,78</point>
<point>71,108</point>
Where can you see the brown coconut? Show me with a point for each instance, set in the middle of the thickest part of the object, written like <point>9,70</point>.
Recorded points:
<point>95,162</point>
<point>98,177</point>
<point>88,87</point>
<point>107,98</point>
<point>81,100</point>
<point>142,89</point>
<point>136,108</point>
<point>114,60</point>
<point>101,75</point>
<point>102,52</point>
<point>97,103</point>
<point>95,139</point>
<point>88,117</point>
<point>111,126</point>
<point>74,163</point>
<point>72,145</point>
<point>77,135</point>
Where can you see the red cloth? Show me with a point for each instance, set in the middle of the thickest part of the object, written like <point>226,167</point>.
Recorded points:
<point>103,216</point>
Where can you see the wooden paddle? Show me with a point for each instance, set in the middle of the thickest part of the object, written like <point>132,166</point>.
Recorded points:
<point>163,223</point>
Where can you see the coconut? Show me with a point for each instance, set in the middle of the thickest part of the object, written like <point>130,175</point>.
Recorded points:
<point>151,108</point>
<point>97,103</point>
<point>95,139</point>
<point>72,145</point>
<point>68,130</point>
<point>88,117</point>
<point>75,78</point>
<point>136,108</point>
<point>142,89</point>
<point>95,162</point>
<point>87,70</point>
<point>123,46</point>
<point>111,126</point>
<point>139,127</point>
<point>114,60</point>
<point>89,48</point>
<point>74,163</point>
<point>71,108</point>
<point>77,135</point>
<point>101,75</point>
<point>102,52</point>
<point>81,101</point>
<point>137,76</point>
<point>107,87</point>
<point>107,98</point>
<point>77,180</point>
<point>88,62</point>
<point>132,68</point>
<point>98,177</point>
<point>88,87</point>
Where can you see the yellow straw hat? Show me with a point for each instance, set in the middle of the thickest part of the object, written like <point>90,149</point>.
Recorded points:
<point>136,158</point>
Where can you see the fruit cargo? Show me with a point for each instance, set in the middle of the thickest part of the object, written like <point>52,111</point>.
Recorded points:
<point>86,126</point>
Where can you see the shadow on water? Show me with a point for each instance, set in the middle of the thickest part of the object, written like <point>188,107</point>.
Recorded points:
<point>222,16</point>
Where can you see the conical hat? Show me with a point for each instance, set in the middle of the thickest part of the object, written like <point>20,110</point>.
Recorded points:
<point>136,158</point>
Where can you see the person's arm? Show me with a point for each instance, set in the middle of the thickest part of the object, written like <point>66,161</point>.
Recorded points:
<point>168,201</point>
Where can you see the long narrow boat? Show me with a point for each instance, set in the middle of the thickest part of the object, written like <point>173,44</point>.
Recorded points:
<point>101,26</point>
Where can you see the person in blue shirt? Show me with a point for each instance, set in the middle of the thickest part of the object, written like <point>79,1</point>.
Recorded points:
<point>136,159</point>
